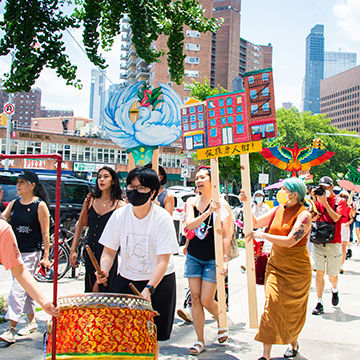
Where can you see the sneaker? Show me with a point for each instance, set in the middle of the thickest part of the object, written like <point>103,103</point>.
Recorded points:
<point>29,328</point>
<point>185,314</point>
<point>8,336</point>
<point>349,254</point>
<point>341,271</point>
<point>335,298</point>
<point>319,309</point>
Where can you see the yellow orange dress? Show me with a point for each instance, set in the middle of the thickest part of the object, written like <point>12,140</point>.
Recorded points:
<point>287,283</point>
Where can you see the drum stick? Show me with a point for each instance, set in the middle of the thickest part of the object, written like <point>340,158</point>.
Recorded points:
<point>134,289</point>
<point>95,262</point>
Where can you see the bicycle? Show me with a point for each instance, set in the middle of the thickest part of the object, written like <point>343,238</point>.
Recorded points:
<point>65,241</point>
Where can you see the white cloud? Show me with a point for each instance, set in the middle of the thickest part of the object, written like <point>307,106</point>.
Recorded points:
<point>347,14</point>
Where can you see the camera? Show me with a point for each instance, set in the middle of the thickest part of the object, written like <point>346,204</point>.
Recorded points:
<point>319,191</point>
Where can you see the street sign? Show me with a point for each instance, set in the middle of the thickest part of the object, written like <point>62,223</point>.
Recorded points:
<point>185,173</point>
<point>263,179</point>
<point>184,162</point>
<point>9,108</point>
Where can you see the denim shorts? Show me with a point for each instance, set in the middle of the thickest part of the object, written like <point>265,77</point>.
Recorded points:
<point>205,269</point>
<point>357,224</point>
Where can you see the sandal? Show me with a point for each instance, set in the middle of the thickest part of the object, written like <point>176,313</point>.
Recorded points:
<point>291,353</point>
<point>197,348</point>
<point>223,335</point>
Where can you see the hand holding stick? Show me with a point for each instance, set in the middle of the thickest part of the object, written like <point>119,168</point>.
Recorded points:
<point>134,289</point>
<point>95,262</point>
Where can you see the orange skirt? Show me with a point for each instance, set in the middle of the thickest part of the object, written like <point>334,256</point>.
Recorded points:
<point>287,286</point>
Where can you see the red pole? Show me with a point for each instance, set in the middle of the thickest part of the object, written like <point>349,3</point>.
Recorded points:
<point>58,159</point>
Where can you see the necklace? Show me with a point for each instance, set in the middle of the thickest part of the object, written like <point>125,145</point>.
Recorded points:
<point>106,203</point>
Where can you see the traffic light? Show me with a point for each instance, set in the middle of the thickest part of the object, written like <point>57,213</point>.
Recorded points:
<point>182,153</point>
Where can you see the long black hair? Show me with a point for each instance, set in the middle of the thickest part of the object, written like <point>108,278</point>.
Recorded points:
<point>42,193</point>
<point>115,192</point>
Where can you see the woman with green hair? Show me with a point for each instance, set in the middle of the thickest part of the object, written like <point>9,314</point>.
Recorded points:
<point>288,271</point>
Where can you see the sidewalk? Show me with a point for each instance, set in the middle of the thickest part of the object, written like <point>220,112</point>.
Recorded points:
<point>331,336</point>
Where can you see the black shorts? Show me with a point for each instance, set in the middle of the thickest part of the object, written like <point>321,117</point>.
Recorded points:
<point>163,300</point>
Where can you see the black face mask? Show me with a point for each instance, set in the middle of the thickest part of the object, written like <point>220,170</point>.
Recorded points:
<point>137,198</point>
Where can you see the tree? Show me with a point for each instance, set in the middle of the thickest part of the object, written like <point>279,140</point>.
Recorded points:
<point>33,30</point>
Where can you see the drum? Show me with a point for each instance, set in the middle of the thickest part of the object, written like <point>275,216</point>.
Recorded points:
<point>104,326</point>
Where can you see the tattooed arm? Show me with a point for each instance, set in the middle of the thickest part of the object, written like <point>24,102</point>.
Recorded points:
<point>301,227</point>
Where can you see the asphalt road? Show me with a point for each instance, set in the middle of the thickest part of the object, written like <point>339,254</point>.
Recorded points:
<point>331,336</point>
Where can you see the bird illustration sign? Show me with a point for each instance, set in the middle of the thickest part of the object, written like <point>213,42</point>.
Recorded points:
<point>139,119</point>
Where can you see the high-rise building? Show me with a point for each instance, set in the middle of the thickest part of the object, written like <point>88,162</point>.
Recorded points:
<point>287,105</point>
<point>336,62</point>
<point>97,97</point>
<point>55,113</point>
<point>254,57</point>
<point>314,69</point>
<point>340,99</point>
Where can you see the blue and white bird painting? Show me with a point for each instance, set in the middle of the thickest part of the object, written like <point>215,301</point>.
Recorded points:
<point>138,117</point>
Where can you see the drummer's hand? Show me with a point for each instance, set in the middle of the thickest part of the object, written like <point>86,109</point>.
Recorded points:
<point>146,294</point>
<point>242,196</point>
<point>101,278</point>
<point>51,309</point>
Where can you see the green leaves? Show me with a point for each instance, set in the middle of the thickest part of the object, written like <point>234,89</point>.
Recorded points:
<point>29,23</point>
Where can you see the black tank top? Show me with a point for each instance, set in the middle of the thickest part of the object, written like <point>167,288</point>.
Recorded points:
<point>26,226</point>
<point>203,249</point>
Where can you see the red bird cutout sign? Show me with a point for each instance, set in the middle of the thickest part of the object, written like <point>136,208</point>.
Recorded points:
<point>295,160</point>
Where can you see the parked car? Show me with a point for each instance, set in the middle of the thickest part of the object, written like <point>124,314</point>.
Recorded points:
<point>73,193</point>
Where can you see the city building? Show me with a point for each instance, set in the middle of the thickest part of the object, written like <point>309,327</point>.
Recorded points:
<point>336,62</point>
<point>55,113</point>
<point>254,57</point>
<point>260,104</point>
<point>97,97</point>
<point>314,68</point>
<point>287,105</point>
<point>340,99</point>
<point>71,125</point>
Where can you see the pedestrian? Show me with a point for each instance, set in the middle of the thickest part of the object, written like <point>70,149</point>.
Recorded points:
<point>165,198</point>
<point>145,235</point>
<point>200,266</point>
<point>11,259</point>
<point>328,256</point>
<point>30,221</point>
<point>96,212</point>
<point>288,271</point>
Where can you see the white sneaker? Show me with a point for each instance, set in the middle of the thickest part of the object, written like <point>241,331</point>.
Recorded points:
<point>8,336</point>
<point>185,314</point>
<point>29,328</point>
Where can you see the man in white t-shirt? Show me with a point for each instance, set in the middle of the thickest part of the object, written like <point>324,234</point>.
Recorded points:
<point>145,234</point>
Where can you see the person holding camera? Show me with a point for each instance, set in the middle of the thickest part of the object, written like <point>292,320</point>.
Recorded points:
<point>326,238</point>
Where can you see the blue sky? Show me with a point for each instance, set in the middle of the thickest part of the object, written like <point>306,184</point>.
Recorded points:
<point>283,23</point>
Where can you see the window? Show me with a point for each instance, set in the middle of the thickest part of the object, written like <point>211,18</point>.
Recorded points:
<point>265,77</point>
<point>221,102</point>
<point>192,73</point>
<point>230,110</point>
<point>186,127</point>
<point>192,118</point>
<point>201,124</point>
<point>239,99</point>
<point>185,118</point>
<point>229,101</point>
<point>222,111</point>
<point>230,119</point>
<point>192,110</point>
<point>200,108</point>
<point>193,126</point>
<point>212,113</point>
<point>251,80</point>
<point>192,60</point>
<point>212,122</point>
<point>239,109</point>
<point>201,117</point>
<point>254,109</point>
<point>265,92</point>
<point>252,94</point>
<point>183,111</point>
<point>223,120</point>
<point>75,193</point>
<point>192,33</point>
<point>240,128</point>
<point>213,132</point>
<point>239,118</point>
<point>266,107</point>
<point>192,47</point>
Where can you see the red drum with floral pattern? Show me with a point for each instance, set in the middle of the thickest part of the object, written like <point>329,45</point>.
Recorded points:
<point>104,326</point>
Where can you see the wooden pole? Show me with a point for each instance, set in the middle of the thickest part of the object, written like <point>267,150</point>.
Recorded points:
<point>248,226</point>
<point>155,160</point>
<point>219,251</point>
<point>131,162</point>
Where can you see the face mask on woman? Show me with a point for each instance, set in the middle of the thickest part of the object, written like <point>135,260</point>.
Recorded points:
<point>259,199</point>
<point>282,197</point>
<point>327,193</point>
<point>137,198</point>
